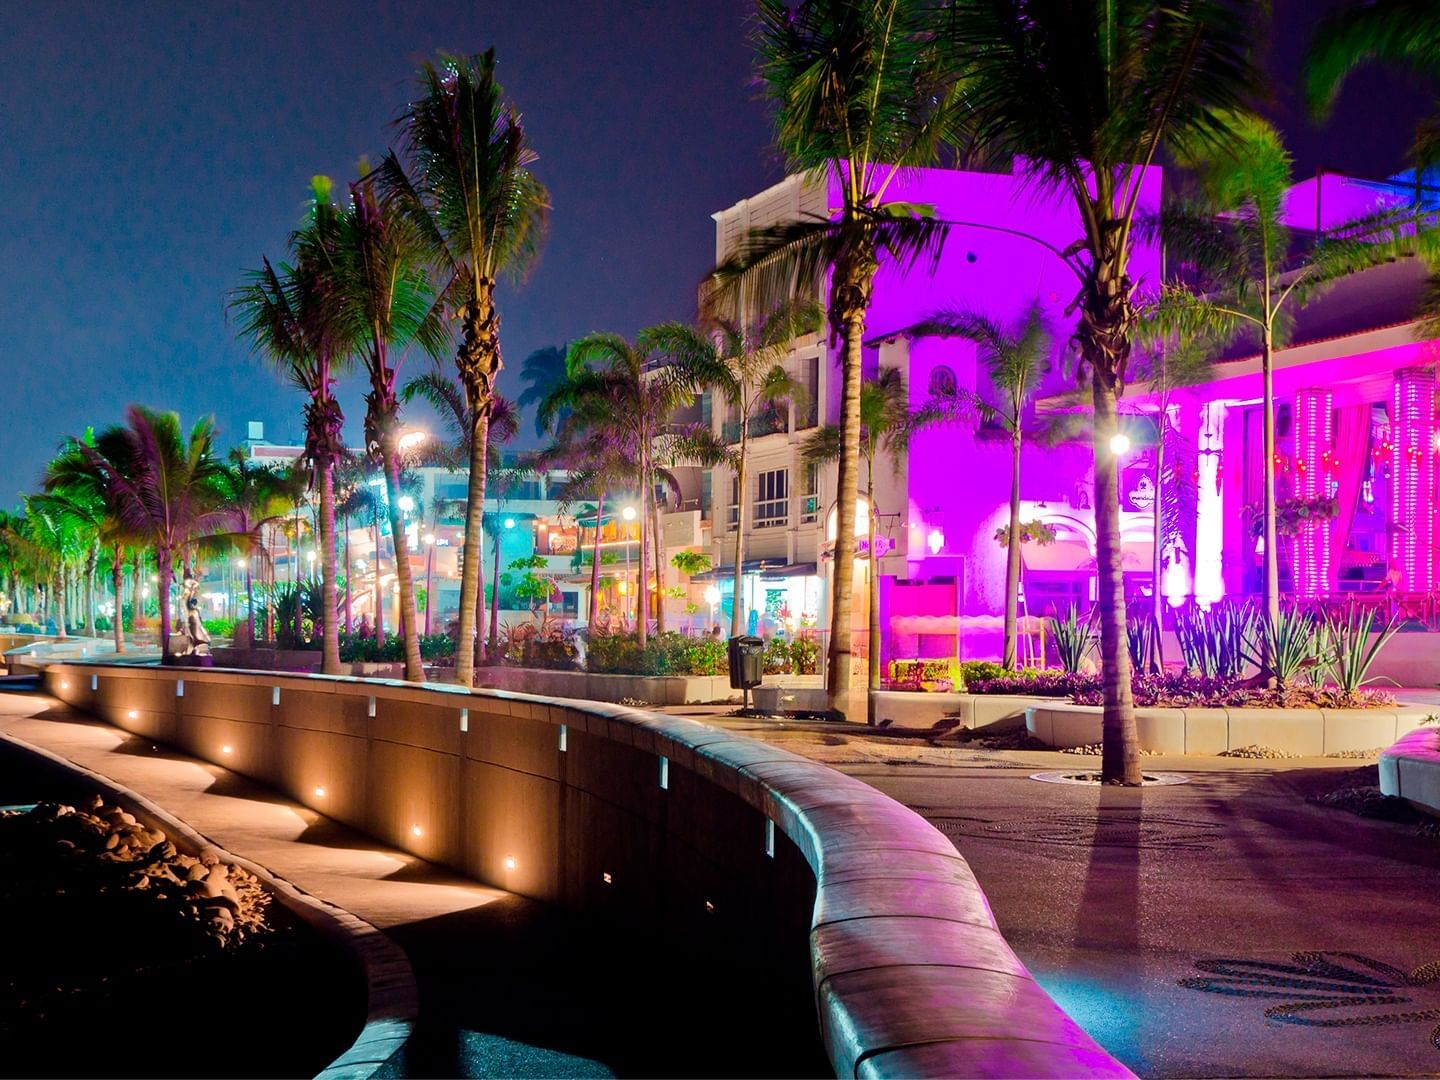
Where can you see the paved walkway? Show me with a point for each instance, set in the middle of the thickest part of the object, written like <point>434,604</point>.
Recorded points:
<point>508,986</point>
<point>1168,920</point>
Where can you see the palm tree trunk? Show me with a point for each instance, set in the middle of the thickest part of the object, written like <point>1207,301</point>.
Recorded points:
<point>92,562</point>
<point>409,621</point>
<point>117,582</point>
<point>872,615</point>
<point>594,614</point>
<point>59,592</point>
<point>1012,553</point>
<point>349,571</point>
<point>642,619</point>
<point>330,649</point>
<point>1272,547</point>
<point>467,637</point>
<point>493,649</point>
<point>736,625</point>
<point>1120,749</point>
<point>659,541</point>
<point>850,295</point>
<point>379,589</point>
<point>166,570</point>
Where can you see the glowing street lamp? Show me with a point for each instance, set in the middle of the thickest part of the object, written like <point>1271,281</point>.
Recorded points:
<point>1120,444</point>
<point>406,504</point>
<point>935,541</point>
<point>412,439</point>
<point>712,597</point>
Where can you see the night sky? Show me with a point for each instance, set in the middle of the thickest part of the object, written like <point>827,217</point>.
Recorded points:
<point>151,152</point>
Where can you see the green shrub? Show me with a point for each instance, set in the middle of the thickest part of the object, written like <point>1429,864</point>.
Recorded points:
<point>971,670</point>
<point>669,653</point>
<point>219,627</point>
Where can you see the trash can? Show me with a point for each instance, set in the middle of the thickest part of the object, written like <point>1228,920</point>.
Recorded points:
<point>747,662</point>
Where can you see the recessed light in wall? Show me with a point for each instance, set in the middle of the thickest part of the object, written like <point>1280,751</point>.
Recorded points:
<point>370,708</point>
<point>225,749</point>
<point>769,838</point>
<point>605,877</point>
<point>464,719</point>
<point>509,862</point>
<point>319,792</point>
<point>94,682</point>
<point>133,714</point>
<point>564,738</point>
<point>179,687</point>
<point>417,830</point>
<point>64,685</point>
<point>709,908</point>
<point>275,695</point>
<point>664,774</point>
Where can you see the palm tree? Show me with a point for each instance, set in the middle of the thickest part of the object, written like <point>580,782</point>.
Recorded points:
<point>1405,33</point>
<point>744,366</point>
<point>282,312</point>
<point>624,394</point>
<point>161,483</point>
<point>482,212</point>
<point>79,489</point>
<point>380,300</point>
<point>1016,359</point>
<point>257,498</point>
<point>361,500</point>
<point>886,424</point>
<point>447,397</point>
<point>857,101</point>
<point>541,372</point>
<point>1084,95</point>
<point>53,539</point>
<point>1237,251</point>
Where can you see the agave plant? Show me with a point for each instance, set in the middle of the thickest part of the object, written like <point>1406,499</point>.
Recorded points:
<point>1348,650</point>
<point>1142,631</point>
<point>1216,644</point>
<point>1294,644</point>
<point>1074,638</point>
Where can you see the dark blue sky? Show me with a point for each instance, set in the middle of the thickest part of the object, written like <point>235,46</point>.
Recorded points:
<point>150,152</point>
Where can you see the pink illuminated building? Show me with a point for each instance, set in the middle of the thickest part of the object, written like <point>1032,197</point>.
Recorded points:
<point>1356,417</point>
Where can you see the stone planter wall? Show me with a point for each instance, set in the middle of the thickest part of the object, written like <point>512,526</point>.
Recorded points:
<point>658,821</point>
<point>1307,732</point>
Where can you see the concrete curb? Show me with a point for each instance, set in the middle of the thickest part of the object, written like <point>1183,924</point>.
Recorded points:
<point>393,1001</point>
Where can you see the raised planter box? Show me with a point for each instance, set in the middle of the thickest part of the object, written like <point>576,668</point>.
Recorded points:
<point>1410,769</point>
<point>926,711</point>
<point>655,689</point>
<point>1307,732</point>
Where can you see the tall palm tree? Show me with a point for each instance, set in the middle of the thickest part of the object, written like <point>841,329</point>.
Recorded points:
<point>380,299</point>
<point>53,537</point>
<point>447,397</point>
<point>1405,33</point>
<point>744,366</point>
<point>887,424</point>
<point>72,480</point>
<point>625,394</point>
<point>283,313</point>
<point>257,499</point>
<point>1084,94</point>
<point>466,183</point>
<point>361,500</point>
<point>1243,275</point>
<point>162,484</point>
<point>1016,359</point>
<point>857,100</point>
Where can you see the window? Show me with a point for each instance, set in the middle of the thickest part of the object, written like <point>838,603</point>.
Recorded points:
<point>809,494</point>
<point>772,499</point>
<point>942,381</point>
<point>733,515</point>
<point>807,411</point>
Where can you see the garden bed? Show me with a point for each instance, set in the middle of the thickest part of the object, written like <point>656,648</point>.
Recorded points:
<point>1305,732</point>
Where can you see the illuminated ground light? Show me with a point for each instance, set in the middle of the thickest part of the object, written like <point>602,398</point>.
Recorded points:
<point>605,877</point>
<point>416,830</point>
<point>319,792</point>
<point>64,685</point>
<point>509,862</point>
<point>709,908</point>
<point>225,749</point>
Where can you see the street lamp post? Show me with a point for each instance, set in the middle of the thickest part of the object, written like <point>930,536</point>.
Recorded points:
<point>712,597</point>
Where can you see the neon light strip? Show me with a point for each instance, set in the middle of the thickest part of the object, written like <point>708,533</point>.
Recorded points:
<point>1412,478</point>
<point>1314,438</point>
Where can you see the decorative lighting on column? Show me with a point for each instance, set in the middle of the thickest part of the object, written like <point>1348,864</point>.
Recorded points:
<point>1209,506</point>
<point>1314,436</point>
<point>1412,478</point>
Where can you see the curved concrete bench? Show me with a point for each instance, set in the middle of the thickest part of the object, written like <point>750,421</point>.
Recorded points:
<point>600,807</point>
<point>1306,732</point>
<point>1411,769</point>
